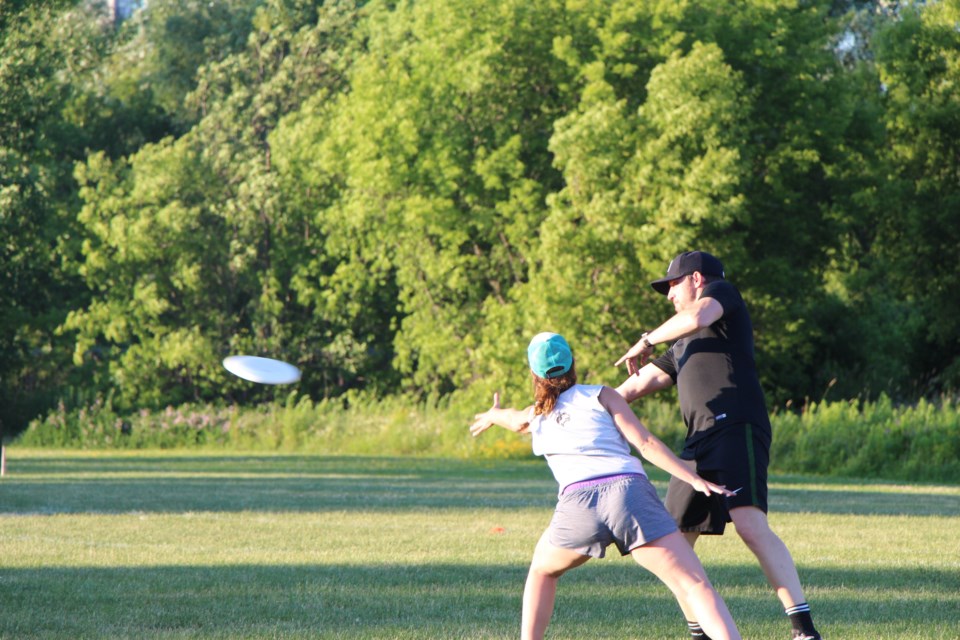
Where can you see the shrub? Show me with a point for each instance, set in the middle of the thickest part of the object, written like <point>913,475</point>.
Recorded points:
<point>871,440</point>
<point>843,438</point>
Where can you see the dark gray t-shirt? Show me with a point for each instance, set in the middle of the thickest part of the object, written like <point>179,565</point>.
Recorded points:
<point>715,371</point>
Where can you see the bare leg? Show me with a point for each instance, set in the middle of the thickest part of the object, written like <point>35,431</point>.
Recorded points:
<point>691,537</point>
<point>548,564</point>
<point>688,612</point>
<point>672,559</point>
<point>774,557</point>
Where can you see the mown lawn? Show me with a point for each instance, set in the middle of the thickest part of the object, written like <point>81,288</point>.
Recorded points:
<point>187,544</point>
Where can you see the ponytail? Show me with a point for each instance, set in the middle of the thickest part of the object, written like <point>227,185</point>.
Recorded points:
<point>547,390</point>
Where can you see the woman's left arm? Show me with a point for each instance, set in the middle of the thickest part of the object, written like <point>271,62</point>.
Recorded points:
<point>650,446</point>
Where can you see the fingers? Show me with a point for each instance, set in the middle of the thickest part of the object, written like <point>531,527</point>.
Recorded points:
<point>482,421</point>
<point>633,361</point>
<point>720,490</point>
<point>710,488</point>
<point>479,427</point>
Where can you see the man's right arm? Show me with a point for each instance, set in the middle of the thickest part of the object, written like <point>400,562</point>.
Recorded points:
<point>649,379</point>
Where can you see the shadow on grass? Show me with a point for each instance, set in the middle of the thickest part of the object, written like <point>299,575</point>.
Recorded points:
<point>416,601</point>
<point>296,483</point>
<point>269,483</point>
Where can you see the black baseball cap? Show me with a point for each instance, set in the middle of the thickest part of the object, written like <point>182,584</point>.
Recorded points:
<point>685,264</point>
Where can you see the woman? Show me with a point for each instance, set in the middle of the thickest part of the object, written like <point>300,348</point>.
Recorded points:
<point>585,433</point>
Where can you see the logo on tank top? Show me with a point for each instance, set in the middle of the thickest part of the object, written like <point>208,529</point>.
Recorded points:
<point>562,418</point>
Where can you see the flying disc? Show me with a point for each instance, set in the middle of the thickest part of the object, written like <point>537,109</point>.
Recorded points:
<point>262,370</point>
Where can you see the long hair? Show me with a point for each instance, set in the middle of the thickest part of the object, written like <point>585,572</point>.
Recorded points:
<point>547,390</point>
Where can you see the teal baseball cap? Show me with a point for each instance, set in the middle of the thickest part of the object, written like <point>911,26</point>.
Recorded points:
<point>549,355</point>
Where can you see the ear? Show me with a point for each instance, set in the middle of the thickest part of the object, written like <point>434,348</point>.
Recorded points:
<point>698,280</point>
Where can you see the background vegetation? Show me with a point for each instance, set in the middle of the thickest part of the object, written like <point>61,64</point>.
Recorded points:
<point>395,195</point>
<point>842,439</point>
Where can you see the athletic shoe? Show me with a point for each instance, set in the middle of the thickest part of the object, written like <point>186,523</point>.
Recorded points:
<point>799,635</point>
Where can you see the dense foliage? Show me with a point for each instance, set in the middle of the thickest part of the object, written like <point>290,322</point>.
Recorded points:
<point>394,195</point>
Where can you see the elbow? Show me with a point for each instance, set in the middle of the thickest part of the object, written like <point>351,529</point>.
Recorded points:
<point>644,448</point>
<point>701,319</point>
<point>704,314</point>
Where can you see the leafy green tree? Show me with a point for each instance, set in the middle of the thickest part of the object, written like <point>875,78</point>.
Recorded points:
<point>428,179</point>
<point>396,195</point>
<point>640,187</point>
<point>917,232</point>
<point>672,126</point>
<point>44,49</point>
<point>163,47</point>
<point>155,261</point>
<point>190,247</point>
<point>800,122</point>
<point>704,125</point>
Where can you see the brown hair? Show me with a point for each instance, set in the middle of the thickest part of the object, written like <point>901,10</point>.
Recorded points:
<point>547,390</point>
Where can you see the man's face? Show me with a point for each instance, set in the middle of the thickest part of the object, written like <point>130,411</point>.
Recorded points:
<point>683,292</point>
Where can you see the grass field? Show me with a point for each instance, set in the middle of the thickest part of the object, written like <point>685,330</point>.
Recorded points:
<point>210,545</point>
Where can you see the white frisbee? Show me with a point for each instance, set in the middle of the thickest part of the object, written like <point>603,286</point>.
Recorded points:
<point>262,370</point>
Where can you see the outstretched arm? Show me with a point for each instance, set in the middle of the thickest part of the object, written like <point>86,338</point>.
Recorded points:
<point>702,313</point>
<point>651,447</point>
<point>647,380</point>
<point>516,420</point>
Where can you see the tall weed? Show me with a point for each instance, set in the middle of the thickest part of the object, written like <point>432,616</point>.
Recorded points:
<point>877,439</point>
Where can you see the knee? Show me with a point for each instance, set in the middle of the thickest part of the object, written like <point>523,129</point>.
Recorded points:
<point>756,534</point>
<point>546,571</point>
<point>754,537</point>
<point>697,589</point>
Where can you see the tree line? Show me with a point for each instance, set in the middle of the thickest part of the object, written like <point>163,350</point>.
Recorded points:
<point>395,195</point>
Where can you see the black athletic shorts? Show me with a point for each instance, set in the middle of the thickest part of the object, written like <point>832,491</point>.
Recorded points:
<point>737,457</point>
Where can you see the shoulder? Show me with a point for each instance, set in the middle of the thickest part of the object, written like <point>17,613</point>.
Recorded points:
<point>585,396</point>
<point>721,287</point>
<point>609,398</point>
<point>724,292</point>
<point>582,392</point>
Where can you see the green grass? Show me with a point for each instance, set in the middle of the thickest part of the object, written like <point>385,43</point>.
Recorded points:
<point>219,545</point>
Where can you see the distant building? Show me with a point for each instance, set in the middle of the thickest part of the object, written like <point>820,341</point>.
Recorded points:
<point>120,10</point>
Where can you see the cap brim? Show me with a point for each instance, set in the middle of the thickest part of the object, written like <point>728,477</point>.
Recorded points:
<point>662,286</point>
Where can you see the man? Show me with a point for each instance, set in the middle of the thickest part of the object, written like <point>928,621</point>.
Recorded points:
<point>728,429</point>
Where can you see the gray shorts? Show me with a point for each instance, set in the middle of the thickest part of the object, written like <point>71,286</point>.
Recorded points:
<point>626,512</point>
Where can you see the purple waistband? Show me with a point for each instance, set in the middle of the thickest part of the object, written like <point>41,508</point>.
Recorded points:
<point>592,482</point>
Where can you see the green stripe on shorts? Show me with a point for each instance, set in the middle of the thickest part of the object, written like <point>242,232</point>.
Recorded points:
<point>752,464</point>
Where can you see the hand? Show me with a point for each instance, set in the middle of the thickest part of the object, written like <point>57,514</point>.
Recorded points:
<point>709,488</point>
<point>483,421</point>
<point>636,357</point>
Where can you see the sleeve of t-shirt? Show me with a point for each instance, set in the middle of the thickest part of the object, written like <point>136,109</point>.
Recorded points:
<point>724,293</point>
<point>728,297</point>
<point>667,363</point>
